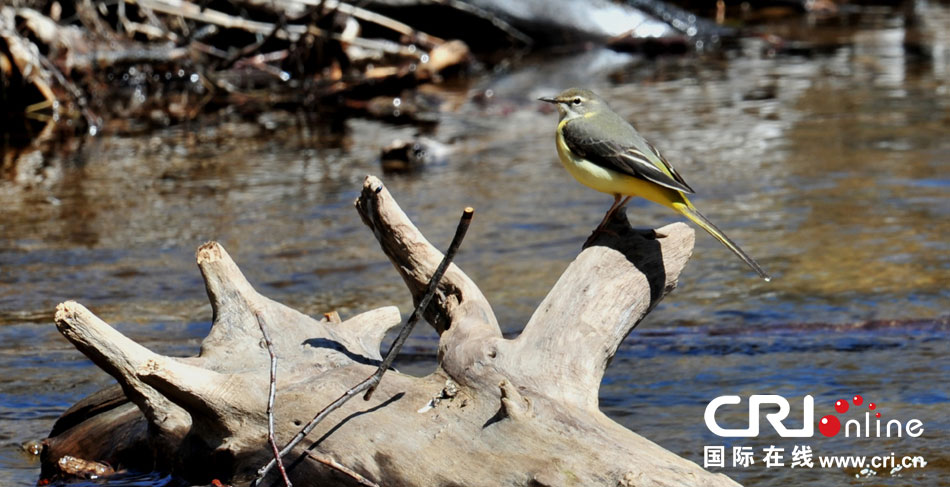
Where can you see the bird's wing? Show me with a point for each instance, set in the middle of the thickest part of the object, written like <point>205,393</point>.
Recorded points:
<point>626,157</point>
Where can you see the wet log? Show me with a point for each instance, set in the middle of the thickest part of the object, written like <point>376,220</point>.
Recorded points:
<point>496,411</point>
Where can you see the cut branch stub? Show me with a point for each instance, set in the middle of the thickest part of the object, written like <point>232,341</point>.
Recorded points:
<point>122,358</point>
<point>167,390</point>
<point>235,304</point>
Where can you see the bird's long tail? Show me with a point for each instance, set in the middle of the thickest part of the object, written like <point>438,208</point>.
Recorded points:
<point>689,211</point>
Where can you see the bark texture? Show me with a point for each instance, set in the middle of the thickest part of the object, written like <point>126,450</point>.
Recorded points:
<point>497,411</point>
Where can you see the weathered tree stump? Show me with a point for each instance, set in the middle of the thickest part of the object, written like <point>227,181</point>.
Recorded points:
<point>497,411</point>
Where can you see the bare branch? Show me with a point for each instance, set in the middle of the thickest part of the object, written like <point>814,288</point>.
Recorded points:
<point>271,395</point>
<point>460,231</point>
<point>369,384</point>
<point>342,468</point>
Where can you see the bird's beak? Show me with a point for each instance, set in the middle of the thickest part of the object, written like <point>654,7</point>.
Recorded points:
<point>548,99</point>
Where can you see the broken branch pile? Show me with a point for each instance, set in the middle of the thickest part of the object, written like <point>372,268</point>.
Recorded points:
<point>165,60</point>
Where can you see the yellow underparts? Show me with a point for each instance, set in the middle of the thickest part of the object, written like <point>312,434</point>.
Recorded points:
<point>613,182</point>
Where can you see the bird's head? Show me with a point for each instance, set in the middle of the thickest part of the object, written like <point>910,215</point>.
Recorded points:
<point>575,102</point>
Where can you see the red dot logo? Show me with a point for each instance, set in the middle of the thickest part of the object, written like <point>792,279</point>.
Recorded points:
<point>841,406</point>
<point>877,414</point>
<point>871,406</point>
<point>829,425</point>
<point>857,400</point>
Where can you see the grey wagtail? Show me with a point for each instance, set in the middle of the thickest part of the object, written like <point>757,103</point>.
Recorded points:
<point>601,150</point>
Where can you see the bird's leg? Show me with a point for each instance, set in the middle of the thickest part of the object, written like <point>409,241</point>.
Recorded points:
<point>603,223</point>
<point>647,233</point>
<point>610,212</point>
<point>623,203</point>
<point>619,203</point>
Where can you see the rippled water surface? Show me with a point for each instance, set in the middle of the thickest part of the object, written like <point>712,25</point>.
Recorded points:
<point>829,164</point>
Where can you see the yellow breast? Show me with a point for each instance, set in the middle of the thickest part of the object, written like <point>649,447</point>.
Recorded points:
<point>612,182</point>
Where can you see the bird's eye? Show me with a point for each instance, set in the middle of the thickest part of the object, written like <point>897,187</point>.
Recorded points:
<point>576,101</point>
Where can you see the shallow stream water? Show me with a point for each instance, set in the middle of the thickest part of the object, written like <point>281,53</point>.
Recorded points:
<point>828,163</point>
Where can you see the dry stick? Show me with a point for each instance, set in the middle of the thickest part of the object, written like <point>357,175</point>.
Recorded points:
<point>123,24</point>
<point>80,99</point>
<point>129,56</point>
<point>369,384</point>
<point>151,31</point>
<point>157,24</point>
<point>271,439</point>
<point>247,50</point>
<point>342,468</point>
<point>310,426</point>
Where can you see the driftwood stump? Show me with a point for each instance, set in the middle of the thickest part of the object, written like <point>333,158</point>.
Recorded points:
<point>496,412</point>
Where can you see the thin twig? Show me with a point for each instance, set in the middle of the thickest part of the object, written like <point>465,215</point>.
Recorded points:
<point>252,48</point>
<point>343,468</point>
<point>91,120</point>
<point>369,384</point>
<point>151,31</point>
<point>208,49</point>
<point>362,386</point>
<point>152,18</point>
<point>144,55</point>
<point>267,57</point>
<point>271,439</point>
<point>123,24</point>
<point>423,303</point>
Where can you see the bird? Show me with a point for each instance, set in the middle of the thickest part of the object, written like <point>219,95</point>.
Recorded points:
<point>605,152</point>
